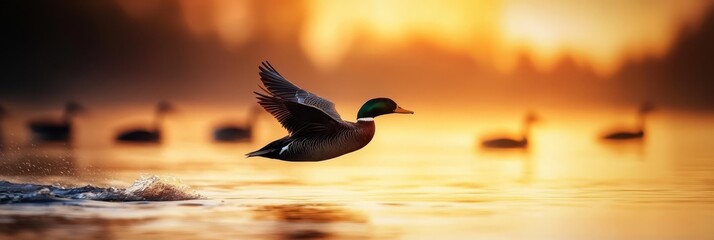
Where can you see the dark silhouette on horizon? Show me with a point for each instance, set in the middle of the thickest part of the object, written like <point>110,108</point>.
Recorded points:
<point>3,115</point>
<point>637,134</point>
<point>529,119</point>
<point>238,133</point>
<point>104,36</point>
<point>48,130</point>
<point>150,135</point>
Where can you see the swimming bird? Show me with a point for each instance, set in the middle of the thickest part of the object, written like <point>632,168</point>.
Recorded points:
<point>237,133</point>
<point>637,134</point>
<point>316,130</point>
<point>513,143</point>
<point>151,135</point>
<point>44,130</point>
<point>3,114</point>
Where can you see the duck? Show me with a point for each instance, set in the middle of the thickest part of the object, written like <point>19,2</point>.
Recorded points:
<point>510,142</point>
<point>151,135</point>
<point>316,130</point>
<point>3,115</point>
<point>632,135</point>
<point>43,130</point>
<point>237,133</point>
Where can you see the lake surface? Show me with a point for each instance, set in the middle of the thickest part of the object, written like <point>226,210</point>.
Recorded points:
<point>419,184</point>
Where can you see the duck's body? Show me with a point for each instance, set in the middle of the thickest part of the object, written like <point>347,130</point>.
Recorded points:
<point>237,133</point>
<point>140,135</point>
<point>48,130</point>
<point>510,142</point>
<point>633,135</point>
<point>2,118</point>
<point>625,135</point>
<point>232,134</point>
<point>147,135</point>
<point>505,143</point>
<point>352,137</point>
<point>316,130</point>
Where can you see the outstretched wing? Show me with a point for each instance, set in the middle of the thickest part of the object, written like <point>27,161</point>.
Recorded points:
<point>299,119</point>
<point>280,87</point>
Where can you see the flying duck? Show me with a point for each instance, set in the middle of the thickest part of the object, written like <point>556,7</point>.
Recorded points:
<point>316,130</point>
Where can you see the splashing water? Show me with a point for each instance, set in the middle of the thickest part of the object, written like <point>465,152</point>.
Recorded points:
<point>146,188</point>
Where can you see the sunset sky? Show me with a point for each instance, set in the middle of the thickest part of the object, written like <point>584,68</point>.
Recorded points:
<point>600,34</point>
<point>206,52</point>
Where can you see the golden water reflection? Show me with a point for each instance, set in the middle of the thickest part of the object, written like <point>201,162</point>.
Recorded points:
<point>424,183</point>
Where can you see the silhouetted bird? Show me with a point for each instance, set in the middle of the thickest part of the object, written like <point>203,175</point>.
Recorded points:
<point>3,114</point>
<point>235,133</point>
<point>513,143</point>
<point>316,130</point>
<point>637,134</point>
<point>56,131</point>
<point>152,135</point>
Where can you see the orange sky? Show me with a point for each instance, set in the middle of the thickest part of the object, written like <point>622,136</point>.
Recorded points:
<point>598,34</point>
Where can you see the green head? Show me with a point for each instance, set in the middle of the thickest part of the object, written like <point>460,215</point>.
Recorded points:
<point>380,106</point>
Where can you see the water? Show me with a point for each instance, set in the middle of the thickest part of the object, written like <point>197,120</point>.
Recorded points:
<point>435,185</point>
<point>151,188</point>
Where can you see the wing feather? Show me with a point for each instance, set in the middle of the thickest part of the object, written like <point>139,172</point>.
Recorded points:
<point>277,86</point>
<point>299,119</point>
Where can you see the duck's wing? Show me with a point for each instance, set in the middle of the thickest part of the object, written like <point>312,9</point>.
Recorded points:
<point>298,118</point>
<point>280,87</point>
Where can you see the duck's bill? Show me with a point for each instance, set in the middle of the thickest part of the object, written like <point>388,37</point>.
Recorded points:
<point>402,110</point>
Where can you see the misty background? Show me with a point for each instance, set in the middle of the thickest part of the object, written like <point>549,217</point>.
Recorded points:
<point>119,59</point>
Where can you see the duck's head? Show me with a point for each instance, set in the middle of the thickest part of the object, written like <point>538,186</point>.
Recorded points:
<point>165,107</point>
<point>531,117</point>
<point>380,106</point>
<point>72,109</point>
<point>646,107</point>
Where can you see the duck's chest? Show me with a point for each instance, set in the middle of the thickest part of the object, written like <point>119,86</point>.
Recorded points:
<point>351,140</point>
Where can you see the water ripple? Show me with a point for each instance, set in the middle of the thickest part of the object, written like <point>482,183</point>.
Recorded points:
<point>151,188</point>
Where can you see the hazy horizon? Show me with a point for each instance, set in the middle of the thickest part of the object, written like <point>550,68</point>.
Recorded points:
<point>108,54</point>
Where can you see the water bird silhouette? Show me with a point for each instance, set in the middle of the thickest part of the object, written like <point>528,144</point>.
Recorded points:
<point>640,126</point>
<point>3,115</point>
<point>44,130</point>
<point>238,133</point>
<point>148,135</point>
<point>513,143</point>
<point>316,130</point>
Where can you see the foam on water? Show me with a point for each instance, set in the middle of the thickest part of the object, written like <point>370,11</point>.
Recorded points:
<point>149,188</point>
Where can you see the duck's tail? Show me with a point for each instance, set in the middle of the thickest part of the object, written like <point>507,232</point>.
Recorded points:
<point>272,150</point>
<point>259,153</point>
